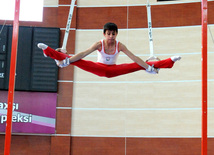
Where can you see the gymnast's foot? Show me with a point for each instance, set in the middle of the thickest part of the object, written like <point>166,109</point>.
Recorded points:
<point>43,47</point>
<point>175,58</point>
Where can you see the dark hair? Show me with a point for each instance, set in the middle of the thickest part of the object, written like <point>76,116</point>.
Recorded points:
<point>111,27</point>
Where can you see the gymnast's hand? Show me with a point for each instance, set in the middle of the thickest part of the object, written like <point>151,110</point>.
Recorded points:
<point>63,63</point>
<point>153,58</point>
<point>152,70</point>
<point>61,50</point>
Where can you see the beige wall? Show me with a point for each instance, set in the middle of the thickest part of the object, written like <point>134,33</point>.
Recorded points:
<point>84,3</point>
<point>51,2</point>
<point>140,104</point>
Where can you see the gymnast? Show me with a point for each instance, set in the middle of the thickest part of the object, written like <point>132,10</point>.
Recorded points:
<point>108,50</point>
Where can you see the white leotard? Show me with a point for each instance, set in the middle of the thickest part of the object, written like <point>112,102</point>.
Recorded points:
<point>108,59</point>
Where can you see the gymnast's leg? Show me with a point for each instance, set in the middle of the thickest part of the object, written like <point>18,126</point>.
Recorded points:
<point>116,70</point>
<point>93,67</point>
<point>107,70</point>
<point>51,52</point>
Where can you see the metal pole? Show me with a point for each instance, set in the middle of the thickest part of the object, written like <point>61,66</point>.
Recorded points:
<point>150,29</point>
<point>204,77</point>
<point>65,40</point>
<point>12,79</point>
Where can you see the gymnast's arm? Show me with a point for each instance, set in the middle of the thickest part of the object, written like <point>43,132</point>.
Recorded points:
<point>83,54</point>
<point>135,58</point>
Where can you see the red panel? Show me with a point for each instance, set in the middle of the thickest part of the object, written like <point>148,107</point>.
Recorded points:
<point>95,18</point>
<point>65,91</point>
<point>210,12</point>
<point>28,145</point>
<point>71,41</point>
<point>63,121</point>
<point>176,15</point>
<point>137,146</point>
<point>41,145</point>
<point>67,2</point>
<point>63,17</point>
<point>163,146</point>
<point>97,146</point>
<point>60,145</point>
<point>137,17</point>
<point>162,16</point>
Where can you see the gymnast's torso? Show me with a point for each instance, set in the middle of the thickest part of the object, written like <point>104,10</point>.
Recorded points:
<point>108,59</point>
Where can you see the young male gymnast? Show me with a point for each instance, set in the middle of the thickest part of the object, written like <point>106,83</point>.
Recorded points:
<point>108,50</point>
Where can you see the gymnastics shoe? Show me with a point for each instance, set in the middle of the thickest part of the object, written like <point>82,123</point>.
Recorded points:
<point>175,58</point>
<point>42,46</point>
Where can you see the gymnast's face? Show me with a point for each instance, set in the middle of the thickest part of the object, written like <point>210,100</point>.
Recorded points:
<point>110,35</point>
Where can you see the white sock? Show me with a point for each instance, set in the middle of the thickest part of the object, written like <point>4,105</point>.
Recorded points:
<point>42,46</point>
<point>175,58</point>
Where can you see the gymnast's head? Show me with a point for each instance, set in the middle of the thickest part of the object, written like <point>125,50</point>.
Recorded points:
<point>110,27</point>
